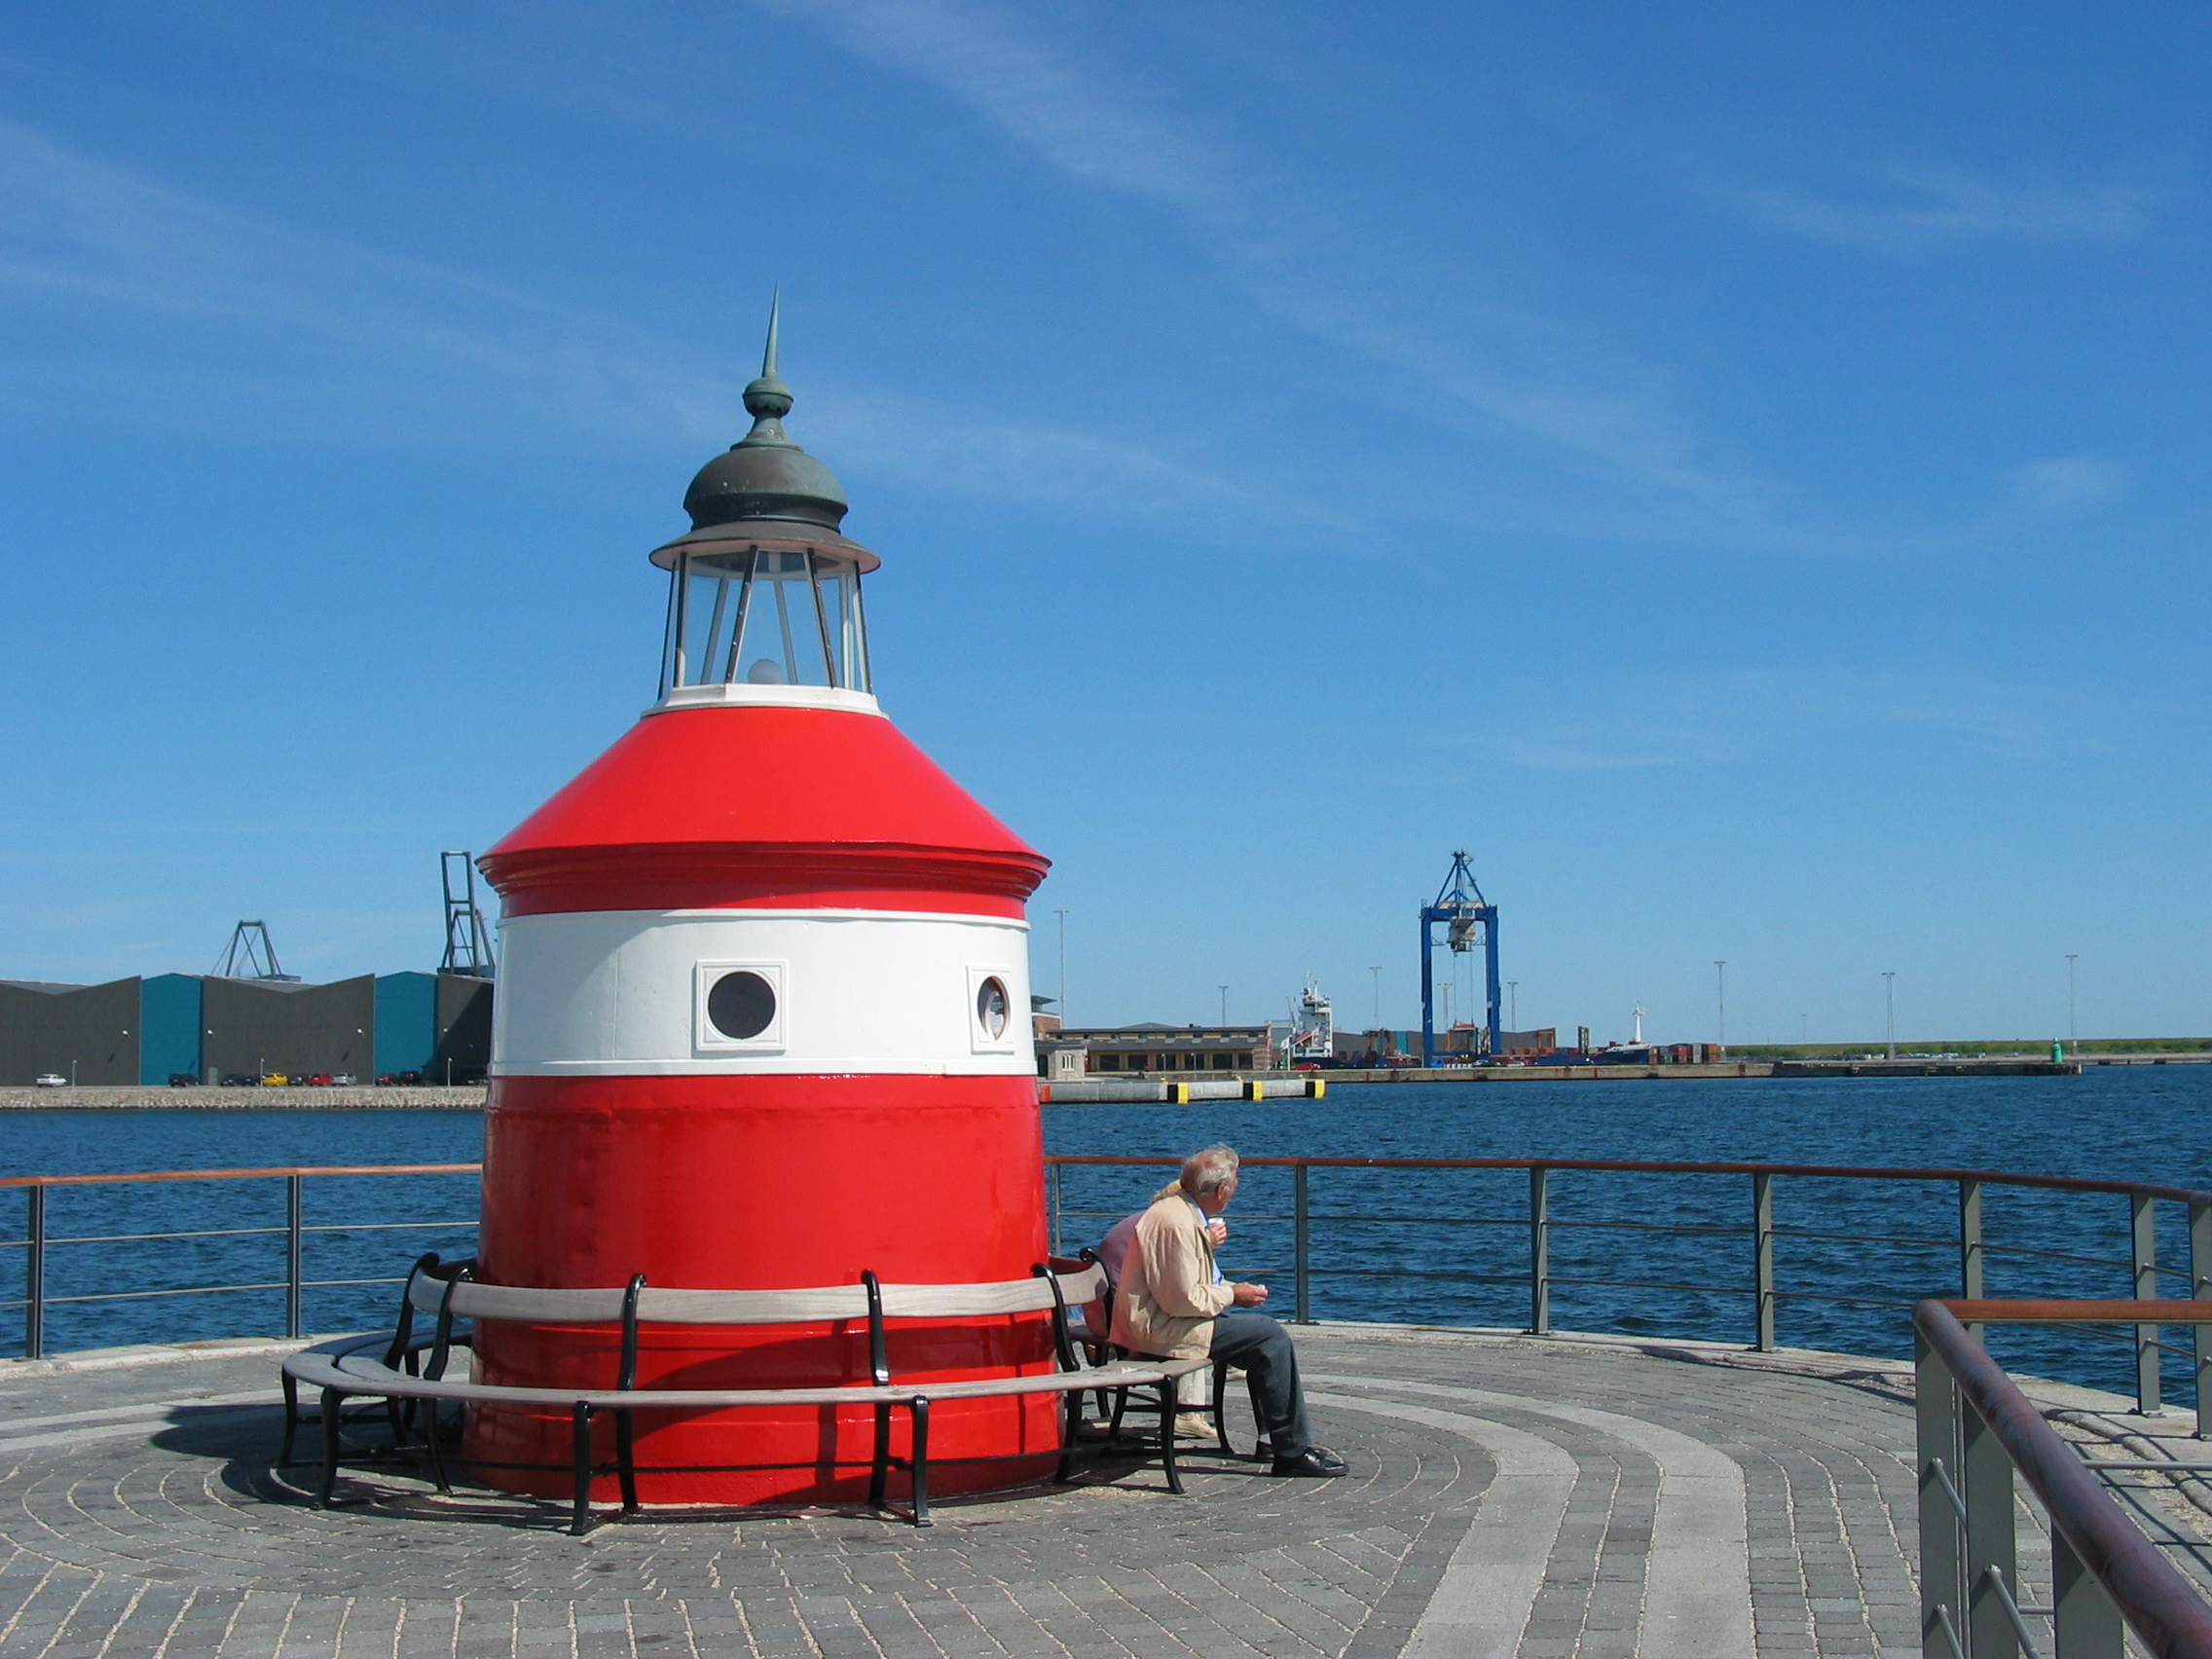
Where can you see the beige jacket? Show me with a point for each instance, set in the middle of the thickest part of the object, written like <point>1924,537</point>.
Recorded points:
<point>1166,1299</point>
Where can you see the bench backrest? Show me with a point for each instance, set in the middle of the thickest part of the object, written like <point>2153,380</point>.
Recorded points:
<point>628,1306</point>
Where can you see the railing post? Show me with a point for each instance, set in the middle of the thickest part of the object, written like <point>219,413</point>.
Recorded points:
<point>1762,1261</point>
<point>1300,1237</point>
<point>1540,1252</point>
<point>2086,1625</point>
<point>34,1272</point>
<point>2143,1251</point>
<point>291,1255</point>
<point>2200,1285</point>
<point>1943,1535</point>
<point>1054,1205</point>
<point>1969,1241</point>
<point>1990,1543</point>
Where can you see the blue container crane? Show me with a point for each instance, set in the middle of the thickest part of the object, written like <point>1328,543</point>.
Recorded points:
<point>1467,918</point>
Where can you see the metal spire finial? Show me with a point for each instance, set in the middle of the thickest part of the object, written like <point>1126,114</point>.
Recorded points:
<point>768,399</point>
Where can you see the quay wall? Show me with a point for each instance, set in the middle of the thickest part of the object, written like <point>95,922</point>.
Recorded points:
<point>85,1099</point>
<point>1096,1089</point>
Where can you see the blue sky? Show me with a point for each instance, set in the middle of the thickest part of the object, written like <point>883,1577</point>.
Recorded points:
<point>1739,474</point>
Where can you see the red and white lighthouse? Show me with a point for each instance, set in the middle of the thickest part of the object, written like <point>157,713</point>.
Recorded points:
<point>762,1023</point>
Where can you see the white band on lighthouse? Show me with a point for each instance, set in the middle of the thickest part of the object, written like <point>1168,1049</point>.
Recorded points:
<point>644,993</point>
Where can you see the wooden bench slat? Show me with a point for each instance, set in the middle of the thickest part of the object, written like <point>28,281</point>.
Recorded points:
<point>751,1306</point>
<point>474,1301</point>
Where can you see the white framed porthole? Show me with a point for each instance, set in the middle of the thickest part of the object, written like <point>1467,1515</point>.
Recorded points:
<point>994,1023</point>
<point>738,1007</point>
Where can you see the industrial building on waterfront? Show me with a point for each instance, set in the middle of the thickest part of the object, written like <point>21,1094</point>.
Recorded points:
<point>207,1027</point>
<point>1075,1050</point>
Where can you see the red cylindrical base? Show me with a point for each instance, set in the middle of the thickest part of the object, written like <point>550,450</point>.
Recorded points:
<point>764,1183</point>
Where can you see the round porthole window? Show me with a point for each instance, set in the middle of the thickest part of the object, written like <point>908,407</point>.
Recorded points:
<point>742,1005</point>
<point>992,1007</point>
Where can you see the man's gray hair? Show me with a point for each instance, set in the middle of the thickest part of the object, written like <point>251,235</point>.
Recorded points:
<point>1209,1171</point>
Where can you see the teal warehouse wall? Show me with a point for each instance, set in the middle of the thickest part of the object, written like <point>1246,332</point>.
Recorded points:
<point>407,1022</point>
<point>168,1026</point>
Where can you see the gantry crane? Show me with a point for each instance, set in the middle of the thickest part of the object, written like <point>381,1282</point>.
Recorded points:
<point>1468,918</point>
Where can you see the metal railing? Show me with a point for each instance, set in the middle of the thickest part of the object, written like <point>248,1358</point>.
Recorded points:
<point>1758,1232</point>
<point>37,1241</point>
<point>1974,1430</point>
<point>1315,1257</point>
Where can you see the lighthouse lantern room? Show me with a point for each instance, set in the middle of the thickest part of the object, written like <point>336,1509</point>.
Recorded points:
<point>761,1026</point>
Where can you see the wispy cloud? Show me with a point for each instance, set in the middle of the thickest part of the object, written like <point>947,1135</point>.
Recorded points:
<point>1766,715</point>
<point>1474,361</point>
<point>2066,485</point>
<point>229,322</point>
<point>1912,209</point>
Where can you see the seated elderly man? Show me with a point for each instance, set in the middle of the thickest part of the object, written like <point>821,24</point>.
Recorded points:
<point>1167,1305</point>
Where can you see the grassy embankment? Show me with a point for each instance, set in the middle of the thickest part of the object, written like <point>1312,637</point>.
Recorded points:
<point>2027,1048</point>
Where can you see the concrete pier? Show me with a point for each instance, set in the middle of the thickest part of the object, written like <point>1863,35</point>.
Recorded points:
<point>1509,1496</point>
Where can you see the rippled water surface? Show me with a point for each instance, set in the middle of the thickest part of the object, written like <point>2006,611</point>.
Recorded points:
<point>1447,1246</point>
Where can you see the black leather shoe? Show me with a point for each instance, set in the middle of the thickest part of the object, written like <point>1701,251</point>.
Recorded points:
<point>1316,1462</point>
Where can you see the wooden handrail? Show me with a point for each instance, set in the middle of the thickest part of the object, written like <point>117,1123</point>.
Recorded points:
<point>144,1177</point>
<point>1622,1165</point>
<point>2051,1312</point>
<point>1673,1166</point>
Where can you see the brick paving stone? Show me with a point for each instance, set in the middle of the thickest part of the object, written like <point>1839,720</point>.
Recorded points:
<point>184,1542</point>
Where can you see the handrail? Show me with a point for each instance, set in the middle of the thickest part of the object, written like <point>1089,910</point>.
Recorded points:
<point>1763,1293</point>
<point>144,1177</point>
<point>1675,1166</point>
<point>38,1239</point>
<point>2164,1608</point>
<point>1627,1165</point>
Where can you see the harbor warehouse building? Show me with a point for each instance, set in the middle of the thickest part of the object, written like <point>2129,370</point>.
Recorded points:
<point>148,1030</point>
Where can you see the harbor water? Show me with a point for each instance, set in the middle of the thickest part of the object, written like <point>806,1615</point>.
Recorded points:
<point>1442,1246</point>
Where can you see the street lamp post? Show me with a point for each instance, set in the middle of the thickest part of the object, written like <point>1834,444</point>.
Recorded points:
<point>1513,1000</point>
<point>2073,1030</point>
<point>1376,968</point>
<point>1225,1004</point>
<point>1063,915</point>
<point>1721,993</point>
<point>1890,1008</point>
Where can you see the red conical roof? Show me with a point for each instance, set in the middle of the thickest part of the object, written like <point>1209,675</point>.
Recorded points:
<point>763,806</point>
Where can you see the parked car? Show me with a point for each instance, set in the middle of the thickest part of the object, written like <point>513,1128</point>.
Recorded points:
<point>320,1080</point>
<point>342,1080</point>
<point>238,1080</point>
<point>51,1080</point>
<point>273,1080</point>
<point>409,1077</point>
<point>184,1080</point>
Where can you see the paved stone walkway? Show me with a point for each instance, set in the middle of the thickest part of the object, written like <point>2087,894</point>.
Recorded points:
<point>1510,1498</point>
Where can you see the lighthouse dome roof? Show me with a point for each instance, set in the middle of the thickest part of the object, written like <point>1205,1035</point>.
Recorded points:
<point>765,491</point>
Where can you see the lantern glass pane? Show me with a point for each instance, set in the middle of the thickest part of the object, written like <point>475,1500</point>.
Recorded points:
<point>765,617</point>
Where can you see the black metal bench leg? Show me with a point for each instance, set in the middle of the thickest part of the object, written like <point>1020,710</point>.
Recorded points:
<point>430,1421</point>
<point>579,1520</point>
<point>879,1470</point>
<point>332,1401</point>
<point>1220,1405</point>
<point>291,1418</point>
<point>1071,1423</point>
<point>1167,1436</point>
<point>626,1463</point>
<point>920,1407</point>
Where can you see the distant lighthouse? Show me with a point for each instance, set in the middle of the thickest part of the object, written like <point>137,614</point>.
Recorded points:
<point>763,1022</point>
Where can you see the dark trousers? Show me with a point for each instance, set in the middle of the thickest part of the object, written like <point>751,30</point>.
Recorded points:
<point>1261,1349</point>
